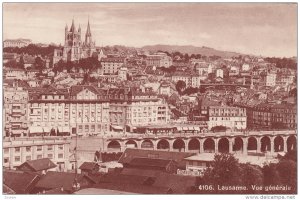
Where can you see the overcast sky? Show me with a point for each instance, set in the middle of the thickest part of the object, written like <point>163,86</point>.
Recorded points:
<point>267,29</point>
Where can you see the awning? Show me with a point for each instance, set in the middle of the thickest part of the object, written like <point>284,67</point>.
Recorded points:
<point>196,128</point>
<point>46,129</point>
<point>17,132</point>
<point>179,128</point>
<point>117,127</point>
<point>37,129</point>
<point>191,128</point>
<point>185,128</point>
<point>66,129</point>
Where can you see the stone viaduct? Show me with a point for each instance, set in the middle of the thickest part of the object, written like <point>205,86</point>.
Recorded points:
<point>233,142</point>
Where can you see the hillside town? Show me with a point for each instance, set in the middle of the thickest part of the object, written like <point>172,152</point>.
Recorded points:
<point>79,118</point>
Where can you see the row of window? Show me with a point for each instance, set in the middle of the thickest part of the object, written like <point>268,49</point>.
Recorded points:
<point>29,148</point>
<point>18,158</point>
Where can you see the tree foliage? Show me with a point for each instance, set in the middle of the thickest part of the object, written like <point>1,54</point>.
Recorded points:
<point>31,49</point>
<point>283,62</point>
<point>225,170</point>
<point>180,86</point>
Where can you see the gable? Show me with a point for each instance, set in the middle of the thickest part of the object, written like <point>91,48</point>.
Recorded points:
<point>86,94</point>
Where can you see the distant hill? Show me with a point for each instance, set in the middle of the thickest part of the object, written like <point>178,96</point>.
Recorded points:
<point>190,50</point>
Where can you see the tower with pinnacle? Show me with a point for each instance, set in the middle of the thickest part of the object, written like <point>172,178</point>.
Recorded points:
<point>74,49</point>
<point>89,44</point>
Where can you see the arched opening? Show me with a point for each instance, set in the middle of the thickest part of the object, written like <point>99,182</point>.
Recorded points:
<point>147,144</point>
<point>238,144</point>
<point>252,144</point>
<point>131,144</point>
<point>194,145</point>
<point>163,144</point>
<point>291,143</point>
<point>209,145</point>
<point>278,144</point>
<point>114,145</point>
<point>178,145</point>
<point>265,144</point>
<point>223,145</point>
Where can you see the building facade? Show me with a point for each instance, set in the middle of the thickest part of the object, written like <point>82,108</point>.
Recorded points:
<point>230,117</point>
<point>190,80</point>
<point>18,151</point>
<point>15,111</point>
<point>111,65</point>
<point>16,43</point>
<point>159,60</point>
<point>82,110</point>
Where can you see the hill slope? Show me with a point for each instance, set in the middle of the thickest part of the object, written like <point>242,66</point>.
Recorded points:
<point>191,50</point>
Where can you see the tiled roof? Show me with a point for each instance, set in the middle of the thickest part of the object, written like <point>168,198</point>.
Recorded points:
<point>147,162</point>
<point>140,172</point>
<point>134,188</point>
<point>54,180</point>
<point>179,184</point>
<point>18,181</point>
<point>74,90</point>
<point>130,154</point>
<point>88,165</point>
<point>39,164</point>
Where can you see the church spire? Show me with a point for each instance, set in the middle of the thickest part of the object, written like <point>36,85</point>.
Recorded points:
<point>72,29</point>
<point>88,30</point>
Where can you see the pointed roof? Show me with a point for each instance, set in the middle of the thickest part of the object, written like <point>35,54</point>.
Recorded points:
<point>88,30</point>
<point>72,29</point>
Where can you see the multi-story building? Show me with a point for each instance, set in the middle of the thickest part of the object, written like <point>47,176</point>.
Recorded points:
<point>16,43</point>
<point>284,116</point>
<point>123,73</point>
<point>202,70</point>
<point>89,110</point>
<point>111,65</point>
<point>119,99</point>
<point>230,117</point>
<point>14,73</point>
<point>267,116</point>
<point>190,80</point>
<point>146,109</point>
<point>48,110</point>
<point>84,110</point>
<point>220,73</point>
<point>16,152</point>
<point>15,110</point>
<point>259,116</point>
<point>269,79</point>
<point>159,60</point>
<point>285,80</point>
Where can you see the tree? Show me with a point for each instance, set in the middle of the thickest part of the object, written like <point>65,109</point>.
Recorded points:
<point>291,155</point>
<point>218,128</point>
<point>13,64</point>
<point>287,170</point>
<point>52,132</point>
<point>225,170</point>
<point>180,86</point>
<point>186,57</point>
<point>271,175</point>
<point>39,63</point>
<point>190,90</point>
<point>252,175</point>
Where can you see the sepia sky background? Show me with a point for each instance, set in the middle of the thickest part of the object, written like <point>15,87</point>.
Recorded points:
<point>266,29</point>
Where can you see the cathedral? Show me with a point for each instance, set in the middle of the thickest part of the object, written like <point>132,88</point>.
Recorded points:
<point>74,49</point>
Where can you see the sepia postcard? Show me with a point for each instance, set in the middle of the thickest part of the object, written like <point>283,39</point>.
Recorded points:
<point>149,98</point>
